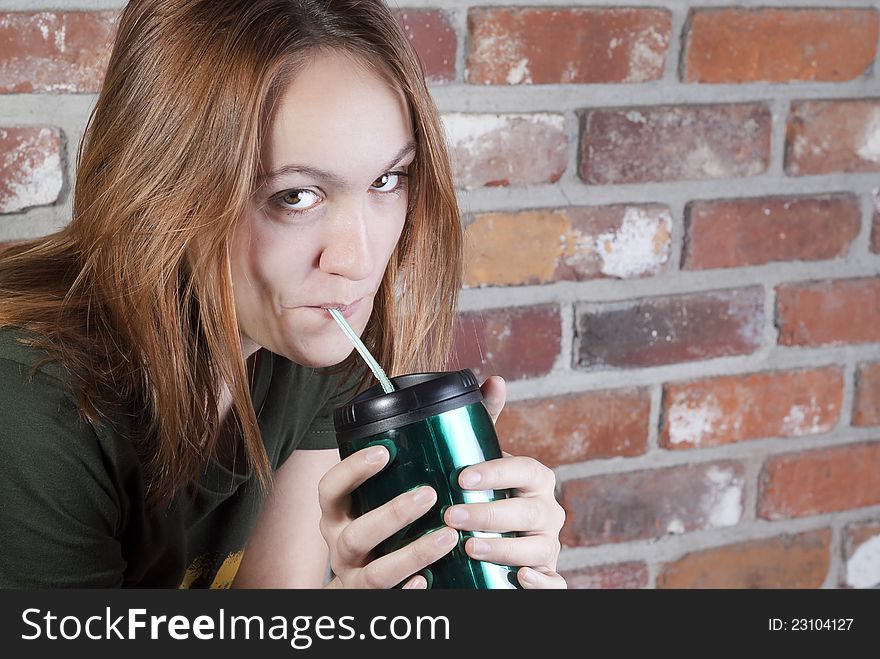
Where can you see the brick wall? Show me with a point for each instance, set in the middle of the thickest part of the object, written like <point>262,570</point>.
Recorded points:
<point>673,256</point>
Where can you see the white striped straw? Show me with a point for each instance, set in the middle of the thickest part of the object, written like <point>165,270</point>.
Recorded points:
<point>387,387</point>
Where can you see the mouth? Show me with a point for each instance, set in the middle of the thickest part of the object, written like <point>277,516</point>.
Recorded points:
<point>345,309</point>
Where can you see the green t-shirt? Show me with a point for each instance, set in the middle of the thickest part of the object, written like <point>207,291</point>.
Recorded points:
<point>72,508</point>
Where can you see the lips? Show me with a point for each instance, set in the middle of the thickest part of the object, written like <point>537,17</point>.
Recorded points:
<point>345,309</point>
<point>338,305</point>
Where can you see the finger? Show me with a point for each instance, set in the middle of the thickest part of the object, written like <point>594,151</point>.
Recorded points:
<point>362,535</point>
<point>342,478</point>
<point>538,578</point>
<point>503,515</point>
<point>519,472</point>
<point>418,582</point>
<point>393,568</point>
<point>494,391</point>
<point>523,550</point>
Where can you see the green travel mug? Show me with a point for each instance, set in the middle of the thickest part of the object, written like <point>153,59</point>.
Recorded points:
<point>433,425</point>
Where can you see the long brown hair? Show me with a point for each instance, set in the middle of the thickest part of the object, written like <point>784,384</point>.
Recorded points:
<point>134,295</point>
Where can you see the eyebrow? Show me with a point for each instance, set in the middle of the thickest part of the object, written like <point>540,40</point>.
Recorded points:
<point>330,177</point>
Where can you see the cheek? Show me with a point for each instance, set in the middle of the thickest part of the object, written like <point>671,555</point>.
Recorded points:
<point>390,233</point>
<point>264,260</point>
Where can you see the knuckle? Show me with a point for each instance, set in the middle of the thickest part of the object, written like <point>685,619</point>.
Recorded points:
<point>538,472</point>
<point>347,542</point>
<point>502,552</point>
<point>558,517</point>
<point>534,515</point>
<point>399,509</point>
<point>490,517</point>
<point>548,552</point>
<point>551,477</point>
<point>371,578</point>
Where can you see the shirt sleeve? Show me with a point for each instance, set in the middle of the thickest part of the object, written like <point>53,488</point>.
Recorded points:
<point>60,509</point>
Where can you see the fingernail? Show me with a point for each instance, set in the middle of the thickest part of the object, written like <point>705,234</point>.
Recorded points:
<point>470,478</point>
<point>528,575</point>
<point>375,454</point>
<point>445,537</point>
<point>479,547</point>
<point>458,515</point>
<point>418,583</point>
<point>422,495</point>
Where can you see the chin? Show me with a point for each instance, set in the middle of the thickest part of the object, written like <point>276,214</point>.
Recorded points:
<point>320,356</point>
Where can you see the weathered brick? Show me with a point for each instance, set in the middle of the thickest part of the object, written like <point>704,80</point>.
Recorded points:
<point>494,150</point>
<point>820,481</point>
<point>54,52</point>
<point>862,555</point>
<point>643,144</point>
<point>434,39</point>
<point>875,228</point>
<point>833,136</point>
<point>577,427</point>
<point>651,503</point>
<point>513,343</point>
<point>615,576</point>
<point>828,312</point>
<point>572,244</point>
<point>665,330</point>
<point>552,46</point>
<point>743,232</point>
<point>866,406</point>
<point>724,410</point>
<point>787,561</point>
<point>779,45</point>
<point>30,167</point>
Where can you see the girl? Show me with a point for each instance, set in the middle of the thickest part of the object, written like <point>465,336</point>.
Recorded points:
<point>169,366</point>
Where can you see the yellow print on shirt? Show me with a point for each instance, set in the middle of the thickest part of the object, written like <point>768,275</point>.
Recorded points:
<point>201,568</point>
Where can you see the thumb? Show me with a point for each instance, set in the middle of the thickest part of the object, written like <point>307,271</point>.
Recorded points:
<point>494,391</point>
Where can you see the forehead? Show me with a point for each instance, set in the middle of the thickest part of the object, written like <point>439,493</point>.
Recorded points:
<point>339,115</point>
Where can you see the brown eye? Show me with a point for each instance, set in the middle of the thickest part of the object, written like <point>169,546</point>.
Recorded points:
<point>388,182</point>
<point>297,200</point>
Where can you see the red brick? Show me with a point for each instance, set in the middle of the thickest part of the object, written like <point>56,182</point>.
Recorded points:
<point>615,576</point>
<point>577,427</point>
<point>829,312</point>
<point>552,46</point>
<point>866,406</point>
<point>786,561</point>
<point>779,45</point>
<point>30,167</point>
<point>862,555</point>
<point>665,330</point>
<point>718,411</point>
<point>572,244</point>
<point>513,343</point>
<point>54,52</point>
<point>820,481</point>
<point>743,232</point>
<point>494,150</point>
<point>434,39</point>
<point>651,503</point>
<point>643,144</point>
<point>833,136</point>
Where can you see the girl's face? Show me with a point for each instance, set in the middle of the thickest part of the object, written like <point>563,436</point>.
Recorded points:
<point>322,225</point>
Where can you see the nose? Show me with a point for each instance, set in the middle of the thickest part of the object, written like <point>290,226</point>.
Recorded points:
<point>347,250</point>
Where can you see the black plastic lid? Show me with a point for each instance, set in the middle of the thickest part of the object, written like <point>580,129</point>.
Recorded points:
<point>416,397</point>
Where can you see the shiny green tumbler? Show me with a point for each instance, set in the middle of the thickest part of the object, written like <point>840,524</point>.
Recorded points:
<point>433,425</point>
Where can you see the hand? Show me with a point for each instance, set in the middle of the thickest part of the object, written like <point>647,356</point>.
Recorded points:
<point>351,541</point>
<point>533,512</point>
